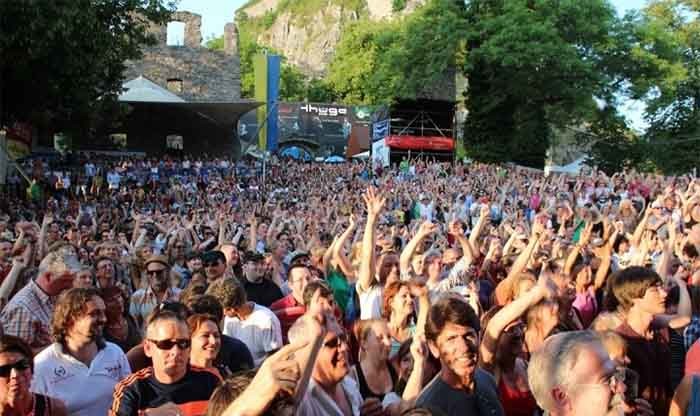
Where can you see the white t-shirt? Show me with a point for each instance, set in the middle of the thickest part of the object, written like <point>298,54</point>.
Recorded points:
<point>260,332</point>
<point>85,391</point>
<point>370,302</point>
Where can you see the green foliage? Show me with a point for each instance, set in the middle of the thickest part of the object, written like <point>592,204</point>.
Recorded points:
<point>215,43</point>
<point>398,5</point>
<point>53,74</point>
<point>533,64</point>
<point>378,62</point>
<point>666,55</point>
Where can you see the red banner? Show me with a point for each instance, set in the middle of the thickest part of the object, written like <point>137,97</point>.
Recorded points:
<point>418,143</point>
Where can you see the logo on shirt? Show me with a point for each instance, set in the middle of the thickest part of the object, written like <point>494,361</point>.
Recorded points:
<point>114,371</point>
<point>59,371</point>
<point>61,374</point>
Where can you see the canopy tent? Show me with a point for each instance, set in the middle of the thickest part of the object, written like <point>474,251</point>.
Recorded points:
<point>206,127</point>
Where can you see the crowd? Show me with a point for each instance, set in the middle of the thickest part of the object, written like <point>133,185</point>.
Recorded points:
<point>140,286</point>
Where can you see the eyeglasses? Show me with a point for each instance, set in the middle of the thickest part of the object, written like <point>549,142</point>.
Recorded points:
<point>335,342</point>
<point>168,344</point>
<point>20,365</point>
<point>155,272</point>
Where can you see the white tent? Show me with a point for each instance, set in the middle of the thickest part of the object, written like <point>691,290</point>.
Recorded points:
<point>362,156</point>
<point>572,168</point>
<point>144,90</point>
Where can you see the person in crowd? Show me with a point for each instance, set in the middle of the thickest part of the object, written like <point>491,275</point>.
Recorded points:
<point>16,371</point>
<point>28,314</point>
<point>291,307</point>
<point>206,342</point>
<point>572,374</point>
<point>258,288</point>
<point>234,355</point>
<point>452,333</point>
<point>398,310</point>
<point>143,301</point>
<point>84,278</point>
<point>214,264</point>
<point>253,324</point>
<point>105,272</point>
<point>376,376</point>
<point>642,295</point>
<point>121,328</point>
<point>80,361</point>
<point>171,386</point>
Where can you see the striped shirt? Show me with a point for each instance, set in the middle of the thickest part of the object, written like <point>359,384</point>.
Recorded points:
<point>28,316</point>
<point>141,391</point>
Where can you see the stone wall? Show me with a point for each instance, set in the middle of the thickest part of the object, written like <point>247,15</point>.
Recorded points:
<point>206,75</point>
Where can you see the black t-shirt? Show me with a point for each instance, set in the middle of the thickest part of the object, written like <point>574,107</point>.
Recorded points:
<point>263,293</point>
<point>234,355</point>
<point>141,391</point>
<point>440,397</point>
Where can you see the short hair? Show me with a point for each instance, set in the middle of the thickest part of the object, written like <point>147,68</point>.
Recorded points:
<point>631,283</point>
<point>551,365</point>
<point>214,255</point>
<point>295,266</point>
<point>228,391</point>
<point>197,320</point>
<point>363,327</point>
<point>103,258</point>
<point>311,288</point>
<point>389,292</point>
<point>161,315</point>
<point>70,305</point>
<point>229,293</point>
<point>207,304</point>
<point>449,310</point>
<point>9,343</point>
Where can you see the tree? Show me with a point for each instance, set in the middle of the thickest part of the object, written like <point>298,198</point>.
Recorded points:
<point>666,55</point>
<point>379,62</point>
<point>531,65</point>
<point>62,62</point>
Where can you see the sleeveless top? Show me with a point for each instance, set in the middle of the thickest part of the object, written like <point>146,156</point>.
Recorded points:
<point>364,388</point>
<point>514,401</point>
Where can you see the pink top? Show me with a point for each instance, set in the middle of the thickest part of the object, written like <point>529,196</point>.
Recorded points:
<point>587,306</point>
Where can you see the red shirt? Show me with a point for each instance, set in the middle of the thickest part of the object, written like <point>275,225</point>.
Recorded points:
<point>287,310</point>
<point>692,359</point>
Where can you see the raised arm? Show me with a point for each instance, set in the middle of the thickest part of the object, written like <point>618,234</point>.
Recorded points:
<point>425,229</point>
<point>375,203</point>
<point>509,313</point>
<point>338,256</point>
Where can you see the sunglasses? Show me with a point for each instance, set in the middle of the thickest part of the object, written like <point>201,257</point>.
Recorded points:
<point>155,272</point>
<point>20,365</point>
<point>168,344</point>
<point>335,342</point>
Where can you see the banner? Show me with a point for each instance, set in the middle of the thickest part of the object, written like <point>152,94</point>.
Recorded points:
<point>260,70</point>
<point>380,130</point>
<point>380,154</point>
<point>273,86</point>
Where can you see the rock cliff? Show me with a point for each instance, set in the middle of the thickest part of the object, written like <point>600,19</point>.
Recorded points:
<point>307,31</point>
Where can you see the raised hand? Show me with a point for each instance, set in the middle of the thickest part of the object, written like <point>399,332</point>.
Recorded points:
<point>374,202</point>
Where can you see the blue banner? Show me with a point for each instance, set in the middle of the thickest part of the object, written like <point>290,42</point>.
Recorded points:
<point>273,86</point>
<point>380,130</point>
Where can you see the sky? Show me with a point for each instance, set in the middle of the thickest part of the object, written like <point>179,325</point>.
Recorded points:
<point>216,13</point>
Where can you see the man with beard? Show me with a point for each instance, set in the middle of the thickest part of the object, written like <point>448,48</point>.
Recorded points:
<point>80,368</point>
<point>572,374</point>
<point>171,386</point>
<point>143,301</point>
<point>461,388</point>
<point>257,288</point>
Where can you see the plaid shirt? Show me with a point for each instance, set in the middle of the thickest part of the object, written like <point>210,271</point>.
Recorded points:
<point>28,316</point>
<point>143,301</point>
<point>691,332</point>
